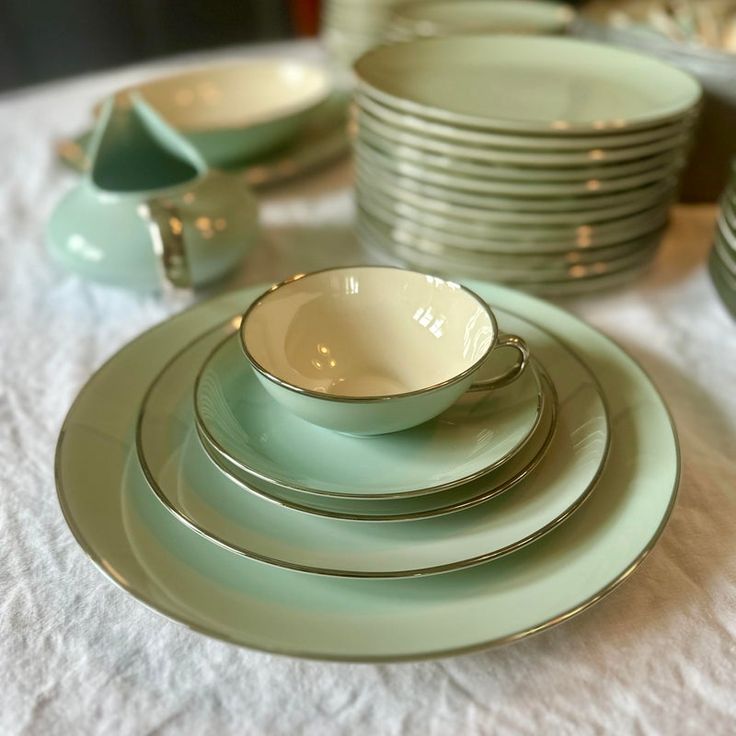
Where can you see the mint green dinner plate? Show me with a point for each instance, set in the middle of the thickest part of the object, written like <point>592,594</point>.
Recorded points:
<point>518,157</point>
<point>470,136</point>
<point>136,542</point>
<point>495,213</point>
<point>199,494</point>
<point>478,434</point>
<point>533,84</point>
<point>522,175</point>
<point>589,186</point>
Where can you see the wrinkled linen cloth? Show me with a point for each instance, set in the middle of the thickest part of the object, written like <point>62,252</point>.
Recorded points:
<point>79,656</point>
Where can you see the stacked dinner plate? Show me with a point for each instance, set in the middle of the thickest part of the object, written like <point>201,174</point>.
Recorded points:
<point>204,497</point>
<point>547,163</point>
<point>428,18</point>
<point>351,27</point>
<point>723,255</point>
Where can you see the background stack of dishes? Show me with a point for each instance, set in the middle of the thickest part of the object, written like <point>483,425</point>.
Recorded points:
<point>547,163</point>
<point>410,20</point>
<point>227,495</point>
<point>351,27</point>
<point>723,256</point>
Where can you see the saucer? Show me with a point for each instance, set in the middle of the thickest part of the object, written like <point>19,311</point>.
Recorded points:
<point>140,546</point>
<point>479,433</point>
<point>204,499</point>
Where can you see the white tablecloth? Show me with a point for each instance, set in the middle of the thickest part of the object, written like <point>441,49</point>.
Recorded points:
<point>77,655</point>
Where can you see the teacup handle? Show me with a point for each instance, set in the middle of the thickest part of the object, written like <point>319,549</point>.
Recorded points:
<point>509,376</point>
<point>167,235</point>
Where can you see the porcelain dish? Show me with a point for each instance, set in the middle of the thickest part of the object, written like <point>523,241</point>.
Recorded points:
<point>452,182</point>
<point>195,491</point>
<point>236,111</point>
<point>413,19</point>
<point>369,350</point>
<point>236,415</point>
<point>320,140</point>
<point>186,541</point>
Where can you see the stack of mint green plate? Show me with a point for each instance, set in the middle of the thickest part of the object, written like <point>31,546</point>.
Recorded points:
<point>430,18</point>
<point>195,492</point>
<point>723,256</point>
<point>546,163</point>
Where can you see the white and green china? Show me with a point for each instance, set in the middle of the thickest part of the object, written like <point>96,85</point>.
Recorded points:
<point>454,17</point>
<point>465,496</point>
<point>533,84</point>
<point>368,350</point>
<point>393,212</point>
<point>238,416</point>
<point>594,203</point>
<point>448,176</point>
<point>139,545</point>
<point>235,111</point>
<point>518,213</point>
<point>203,498</point>
<point>503,256</point>
<point>508,268</point>
<point>518,157</point>
<point>149,213</point>
<point>321,139</point>
<point>527,175</point>
<point>474,137</point>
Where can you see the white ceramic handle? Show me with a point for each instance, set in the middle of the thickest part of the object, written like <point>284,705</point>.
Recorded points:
<point>167,235</point>
<point>509,376</point>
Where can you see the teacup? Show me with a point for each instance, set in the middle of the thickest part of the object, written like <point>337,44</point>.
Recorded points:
<point>369,350</point>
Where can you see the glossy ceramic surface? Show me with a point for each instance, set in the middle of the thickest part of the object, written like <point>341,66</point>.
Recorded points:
<point>474,137</point>
<point>493,210</point>
<point>478,434</point>
<point>138,544</point>
<point>513,268</point>
<point>503,256</point>
<point>527,174</point>
<point>449,177</point>
<point>442,18</point>
<point>370,350</point>
<point>393,212</point>
<point>319,140</point>
<point>238,110</point>
<point>520,157</point>
<point>149,214</point>
<point>527,83</point>
<point>200,495</point>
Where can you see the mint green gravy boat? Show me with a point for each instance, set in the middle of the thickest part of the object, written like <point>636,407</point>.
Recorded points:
<point>149,213</point>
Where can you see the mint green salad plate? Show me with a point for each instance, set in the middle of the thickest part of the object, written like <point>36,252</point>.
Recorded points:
<point>527,84</point>
<point>140,546</point>
<point>479,433</point>
<point>201,496</point>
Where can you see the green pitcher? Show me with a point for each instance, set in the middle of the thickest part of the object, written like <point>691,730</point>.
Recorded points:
<point>149,214</point>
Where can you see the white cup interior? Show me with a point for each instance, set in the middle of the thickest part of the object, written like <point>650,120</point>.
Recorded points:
<point>368,332</point>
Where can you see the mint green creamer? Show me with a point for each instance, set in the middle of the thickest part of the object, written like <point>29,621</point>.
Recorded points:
<point>149,213</point>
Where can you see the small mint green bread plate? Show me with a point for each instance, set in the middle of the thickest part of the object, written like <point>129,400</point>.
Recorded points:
<point>139,545</point>
<point>462,497</point>
<point>202,497</point>
<point>479,433</point>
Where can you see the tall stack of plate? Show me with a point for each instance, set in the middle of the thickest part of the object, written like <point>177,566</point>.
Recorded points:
<point>429,18</point>
<point>723,255</point>
<point>198,493</point>
<point>351,27</point>
<point>547,163</point>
